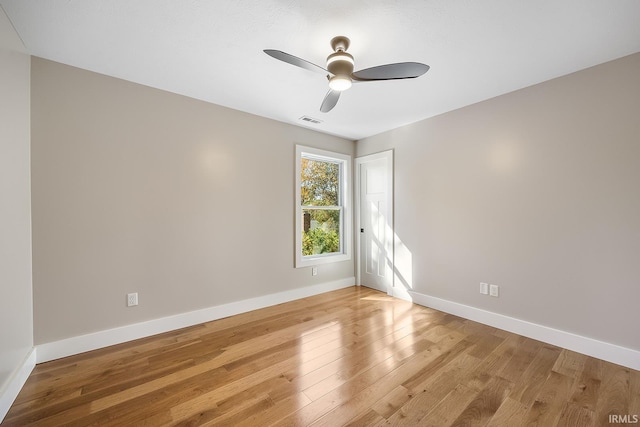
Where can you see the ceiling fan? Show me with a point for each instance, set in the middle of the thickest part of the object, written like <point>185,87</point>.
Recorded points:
<point>340,70</point>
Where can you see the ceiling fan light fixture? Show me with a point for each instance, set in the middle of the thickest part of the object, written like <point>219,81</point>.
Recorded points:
<point>340,83</point>
<point>339,70</point>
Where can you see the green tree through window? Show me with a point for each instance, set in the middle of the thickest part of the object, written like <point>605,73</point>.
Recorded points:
<point>321,208</point>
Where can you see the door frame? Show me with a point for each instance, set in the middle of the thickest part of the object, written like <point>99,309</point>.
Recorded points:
<point>359,161</point>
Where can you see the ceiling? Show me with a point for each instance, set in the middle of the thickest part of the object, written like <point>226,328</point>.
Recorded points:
<point>212,50</point>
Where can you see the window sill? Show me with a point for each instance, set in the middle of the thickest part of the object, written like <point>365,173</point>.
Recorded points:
<point>321,259</point>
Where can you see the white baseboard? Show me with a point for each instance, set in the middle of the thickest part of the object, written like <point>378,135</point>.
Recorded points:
<point>15,384</point>
<point>93,341</point>
<point>580,344</point>
<point>402,293</point>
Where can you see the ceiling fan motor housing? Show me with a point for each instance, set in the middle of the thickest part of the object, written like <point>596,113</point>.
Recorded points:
<point>340,63</point>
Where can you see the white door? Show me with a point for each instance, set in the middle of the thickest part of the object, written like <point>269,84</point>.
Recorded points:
<point>375,248</point>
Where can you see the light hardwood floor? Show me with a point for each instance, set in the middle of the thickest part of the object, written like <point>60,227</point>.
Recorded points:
<point>349,357</point>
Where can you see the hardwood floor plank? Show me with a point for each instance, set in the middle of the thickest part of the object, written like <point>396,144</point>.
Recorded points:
<point>211,398</point>
<point>278,411</point>
<point>486,403</point>
<point>524,353</point>
<point>570,363</point>
<point>450,367</point>
<point>547,407</point>
<point>392,401</point>
<point>319,407</point>
<point>443,375</point>
<point>586,389</point>
<point>573,415</point>
<point>426,375</point>
<point>371,418</point>
<point>342,394</point>
<point>614,393</point>
<point>511,413</point>
<point>360,402</point>
<point>634,388</point>
<point>349,357</point>
<point>311,370</point>
<point>449,408</point>
<point>356,364</point>
<point>535,374</point>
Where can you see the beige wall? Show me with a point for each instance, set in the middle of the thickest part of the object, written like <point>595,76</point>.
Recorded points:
<point>138,190</point>
<point>536,191</point>
<point>16,318</point>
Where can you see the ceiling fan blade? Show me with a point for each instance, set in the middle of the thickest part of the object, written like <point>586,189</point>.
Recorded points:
<point>294,60</point>
<point>400,70</point>
<point>330,100</point>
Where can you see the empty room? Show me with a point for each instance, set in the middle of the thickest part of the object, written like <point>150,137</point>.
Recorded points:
<point>368,213</point>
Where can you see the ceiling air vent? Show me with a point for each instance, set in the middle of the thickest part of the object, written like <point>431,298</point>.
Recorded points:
<point>310,120</point>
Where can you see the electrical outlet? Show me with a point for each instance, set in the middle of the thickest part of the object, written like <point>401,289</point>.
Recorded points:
<point>314,271</point>
<point>484,288</point>
<point>132,299</point>
<point>494,290</point>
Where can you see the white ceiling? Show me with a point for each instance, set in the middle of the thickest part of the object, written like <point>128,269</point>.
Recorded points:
<point>212,50</point>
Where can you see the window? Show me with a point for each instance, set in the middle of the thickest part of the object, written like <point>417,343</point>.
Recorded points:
<point>323,215</point>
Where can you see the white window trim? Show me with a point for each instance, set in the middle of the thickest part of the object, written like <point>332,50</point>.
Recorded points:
<point>345,195</point>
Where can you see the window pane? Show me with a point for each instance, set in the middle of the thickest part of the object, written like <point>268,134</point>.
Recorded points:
<point>320,232</point>
<point>319,183</point>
